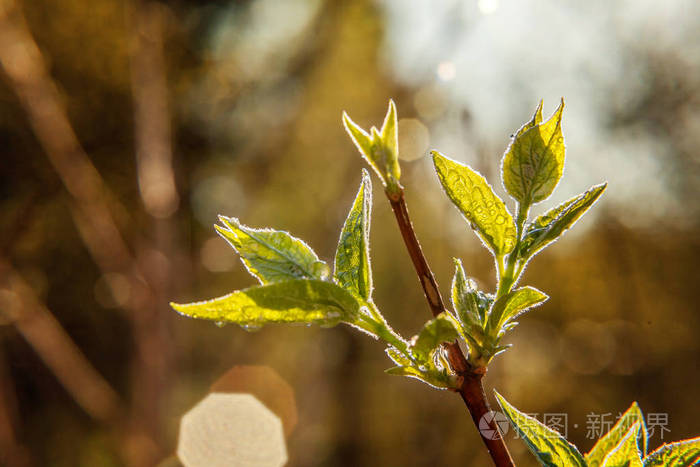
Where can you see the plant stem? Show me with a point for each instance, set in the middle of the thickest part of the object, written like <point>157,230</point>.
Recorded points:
<point>473,395</point>
<point>470,389</point>
<point>510,276</point>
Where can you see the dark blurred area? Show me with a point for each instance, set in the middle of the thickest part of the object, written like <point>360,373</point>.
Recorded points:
<point>127,126</point>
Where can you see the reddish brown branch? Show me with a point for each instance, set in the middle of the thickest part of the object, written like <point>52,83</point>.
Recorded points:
<point>471,389</point>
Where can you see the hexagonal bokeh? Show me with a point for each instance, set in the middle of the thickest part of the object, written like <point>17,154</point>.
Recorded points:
<point>231,429</point>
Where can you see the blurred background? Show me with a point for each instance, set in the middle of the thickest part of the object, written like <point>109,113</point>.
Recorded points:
<point>127,126</point>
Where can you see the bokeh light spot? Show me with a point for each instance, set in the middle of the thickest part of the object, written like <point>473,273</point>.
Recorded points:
<point>446,71</point>
<point>488,7</point>
<point>217,256</point>
<point>231,429</point>
<point>112,290</point>
<point>414,139</point>
<point>266,385</point>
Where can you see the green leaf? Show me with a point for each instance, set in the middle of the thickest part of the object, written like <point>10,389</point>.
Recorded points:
<point>548,446</point>
<point>295,301</point>
<point>465,298</point>
<point>390,140</point>
<point>379,147</point>
<point>352,263</point>
<point>362,140</point>
<point>552,224</point>
<point>398,357</point>
<point>612,438</point>
<point>405,371</point>
<point>534,162</point>
<point>509,306</point>
<point>626,453</point>
<point>474,197</point>
<point>272,255</point>
<point>429,374</point>
<point>681,454</point>
<point>436,331</point>
<point>431,377</point>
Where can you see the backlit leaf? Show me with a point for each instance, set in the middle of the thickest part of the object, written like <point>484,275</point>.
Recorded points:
<point>295,301</point>
<point>436,379</point>
<point>390,140</point>
<point>626,453</point>
<point>362,140</point>
<point>398,357</point>
<point>534,162</point>
<point>436,331</point>
<point>272,255</point>
<point>548,446</point>
<point>612,438</point>
<point>379,147</point>
<point>464,297</point>
<point>474,197</point>
<point>509,306</point>
<point>552,224</point>
<point>352,263</point>
<point>681,454</point>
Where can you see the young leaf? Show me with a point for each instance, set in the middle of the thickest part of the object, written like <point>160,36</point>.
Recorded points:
<point>552,224</point>
<point>464,297</point>
<point>398,357</point>
<point>352,263</point>
<point>379,148</point>
<point>362,140</point>
<point>681,454</point>
<point>434,378</point>
<point>626,453</point>
<point>483,209</point>
<point>272,255</point>
<point>511,305</point>
<point>390,138</point>
<point>436,331</point>
<point>548,446</point>
<point>405,371</point>
<point>613,437</point>
<point>534,162</point>
<point>295,301</point>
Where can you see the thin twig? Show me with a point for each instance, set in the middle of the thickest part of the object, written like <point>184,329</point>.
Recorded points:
<point>156,177</point>
<point>471,389</point>
<point>55,347</point>
<point>12,452</point>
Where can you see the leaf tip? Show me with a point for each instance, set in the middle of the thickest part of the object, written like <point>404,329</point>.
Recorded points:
<point>390,112</point>
<point>436,156</point>
<point>537,118</point>
<point>366,179</point>
<point>179,307</point>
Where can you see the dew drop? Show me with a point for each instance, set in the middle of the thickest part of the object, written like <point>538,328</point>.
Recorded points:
<point>251,327</point>
<point>220,324</point>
